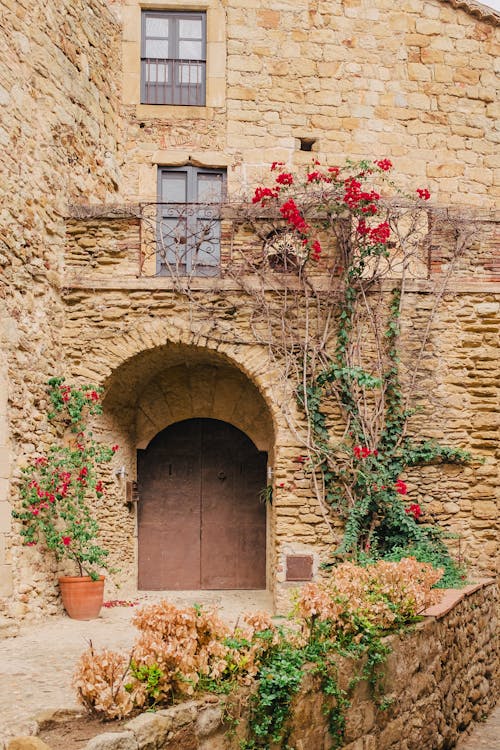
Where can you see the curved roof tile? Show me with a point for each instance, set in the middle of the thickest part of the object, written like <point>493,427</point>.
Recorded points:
<point>476,9</point>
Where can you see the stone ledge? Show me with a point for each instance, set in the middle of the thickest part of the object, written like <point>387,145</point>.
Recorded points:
<point>451,597</point>
<point>217,284</point>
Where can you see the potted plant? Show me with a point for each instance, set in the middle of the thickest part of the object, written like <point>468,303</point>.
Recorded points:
<point>57,493</point>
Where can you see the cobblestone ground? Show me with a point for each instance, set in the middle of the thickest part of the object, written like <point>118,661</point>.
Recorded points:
<point>36,667</point>
<point>486,735</point>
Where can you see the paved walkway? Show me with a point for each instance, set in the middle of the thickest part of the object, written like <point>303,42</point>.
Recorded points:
<point>486,736</point>
<point>36,667</point>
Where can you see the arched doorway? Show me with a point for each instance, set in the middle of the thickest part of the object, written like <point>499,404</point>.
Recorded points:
<point>201,522</point>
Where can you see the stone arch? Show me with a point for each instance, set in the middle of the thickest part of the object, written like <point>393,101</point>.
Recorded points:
<point>160,375</point>
<point>213,390</point>
<point>172,383</point>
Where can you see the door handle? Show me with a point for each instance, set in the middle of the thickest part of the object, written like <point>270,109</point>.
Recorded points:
<point>221,475</point>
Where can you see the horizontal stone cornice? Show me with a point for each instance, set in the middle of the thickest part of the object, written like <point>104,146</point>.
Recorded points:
<point>418,286</point>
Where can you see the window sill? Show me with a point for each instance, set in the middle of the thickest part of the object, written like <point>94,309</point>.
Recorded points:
<point>173,112</point>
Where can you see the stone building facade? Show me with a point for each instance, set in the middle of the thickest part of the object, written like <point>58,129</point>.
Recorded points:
<point>84,142</point>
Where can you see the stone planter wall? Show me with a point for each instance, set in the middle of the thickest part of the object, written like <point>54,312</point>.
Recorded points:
<point>441,678</point>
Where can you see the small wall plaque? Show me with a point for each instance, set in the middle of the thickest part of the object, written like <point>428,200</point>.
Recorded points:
<point>299,567</point>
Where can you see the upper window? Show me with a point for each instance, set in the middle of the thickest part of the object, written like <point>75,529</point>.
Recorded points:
<point>173,58</point>
<point>189,220</point>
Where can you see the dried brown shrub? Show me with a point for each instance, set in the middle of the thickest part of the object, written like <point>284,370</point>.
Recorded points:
<point>175,646</point>
<point>183,643</point>
<point>383,594</point>
<point>100,680</point>
<point>179,649</point>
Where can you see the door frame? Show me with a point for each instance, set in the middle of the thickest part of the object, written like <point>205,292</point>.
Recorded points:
<point>266,480</point>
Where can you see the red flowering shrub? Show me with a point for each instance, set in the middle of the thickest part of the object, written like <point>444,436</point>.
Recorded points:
<point>58,488</point>
<point>336,190</point>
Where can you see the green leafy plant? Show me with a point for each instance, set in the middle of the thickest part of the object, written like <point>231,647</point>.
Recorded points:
<point>59,488</point>
<point>151,676</point>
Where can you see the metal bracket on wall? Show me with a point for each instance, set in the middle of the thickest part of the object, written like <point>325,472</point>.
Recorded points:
<point>132,495</point>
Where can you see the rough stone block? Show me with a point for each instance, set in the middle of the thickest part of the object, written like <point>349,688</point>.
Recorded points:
<point>487,309</point>
<point>27,743</point>
<point>208,721</point>
<point>113,741</point>
<point>449,169</point>
<point>5,515</point>
<point>8,628</point>
<point>182,714</point>
<point>150,730</point>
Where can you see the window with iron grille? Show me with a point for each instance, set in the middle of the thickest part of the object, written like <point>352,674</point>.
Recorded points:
<point>189,220</point>
<point>173,58</point>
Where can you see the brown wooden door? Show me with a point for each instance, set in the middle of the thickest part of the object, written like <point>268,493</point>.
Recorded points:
<point>201,522</point>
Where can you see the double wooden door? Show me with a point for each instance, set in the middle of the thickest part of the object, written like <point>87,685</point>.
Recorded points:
<point>201,521</point>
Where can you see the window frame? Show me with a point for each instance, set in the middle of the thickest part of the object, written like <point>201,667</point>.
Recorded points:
<point>175,94</point>
<point>194,211</point>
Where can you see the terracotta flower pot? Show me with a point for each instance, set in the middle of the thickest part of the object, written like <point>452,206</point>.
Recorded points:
<point>82,597</point>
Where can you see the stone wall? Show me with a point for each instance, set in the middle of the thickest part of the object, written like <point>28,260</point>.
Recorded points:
<point>58,135</point>
<point>130,343</point>
<point>414,82</point>
<point>359,79</point>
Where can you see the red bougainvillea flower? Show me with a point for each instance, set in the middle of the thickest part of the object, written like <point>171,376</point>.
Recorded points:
<point>93,396</point>
<point>285,178</point>
<point>41,461</point>
<point>318,177</point>
<point>291,213</point>
<point>262,194</point>
<point>363,229</point>
<point>380,234</point>
<point>384,164</point>
<point>276,165</point>
<point>316,250</point>
<point>114,448</point>
<point>401,487</point>
<point>352,194</point>
<point>66,540</point>
<point>423,193</point>
<point>65,392</point>
<point>414,510</point>
<point>362,451</point>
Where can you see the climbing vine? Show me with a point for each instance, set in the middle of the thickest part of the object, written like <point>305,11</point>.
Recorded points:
<point>351,369</point>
